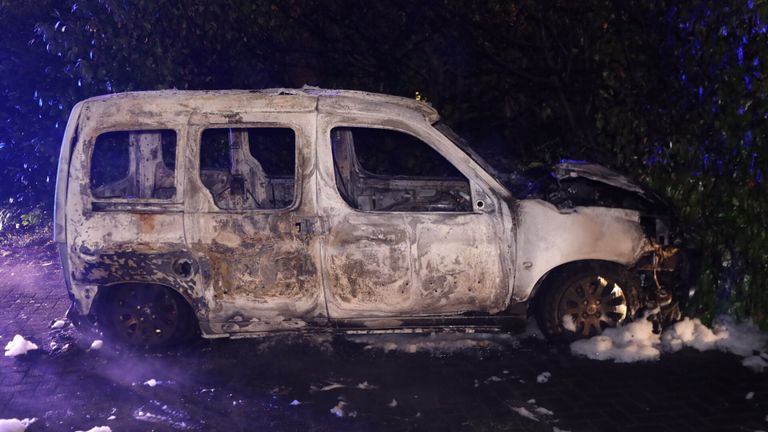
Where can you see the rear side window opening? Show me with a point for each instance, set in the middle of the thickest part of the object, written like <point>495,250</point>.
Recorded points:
<point>249,168</point>
<point>135,164</point>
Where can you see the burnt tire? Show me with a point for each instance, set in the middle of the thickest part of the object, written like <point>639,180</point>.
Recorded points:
<point>582,300</point>
<point>144,316</point>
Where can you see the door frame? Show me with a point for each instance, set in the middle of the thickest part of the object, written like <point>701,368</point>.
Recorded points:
<point>331,206</point>
<point>259,241</point>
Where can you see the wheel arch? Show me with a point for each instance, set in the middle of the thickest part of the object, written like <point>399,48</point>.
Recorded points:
<point>541,286</point>
<point>105,289</point>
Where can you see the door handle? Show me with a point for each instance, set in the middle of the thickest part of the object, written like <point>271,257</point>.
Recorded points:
<point>304,228</point>
<point>300,227</point>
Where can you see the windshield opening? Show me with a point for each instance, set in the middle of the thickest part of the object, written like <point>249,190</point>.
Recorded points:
<point>467,148</point>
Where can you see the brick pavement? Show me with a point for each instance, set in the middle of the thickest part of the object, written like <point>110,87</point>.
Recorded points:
<point>249,384</point>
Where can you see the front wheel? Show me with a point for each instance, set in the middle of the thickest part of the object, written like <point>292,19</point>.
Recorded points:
<point>582,301</point>
<point>146,316</point>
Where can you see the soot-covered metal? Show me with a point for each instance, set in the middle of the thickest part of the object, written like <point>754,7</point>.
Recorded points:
<point>239,213</point>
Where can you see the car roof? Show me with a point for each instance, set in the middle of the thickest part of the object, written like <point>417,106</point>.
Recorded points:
<point>305,99</point>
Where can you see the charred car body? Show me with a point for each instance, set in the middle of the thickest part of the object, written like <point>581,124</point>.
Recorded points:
<point>239,213</point>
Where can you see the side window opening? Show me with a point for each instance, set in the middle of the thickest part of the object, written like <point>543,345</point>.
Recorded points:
<point>388,170</point>
<point>134,164</point>
<point>249,168</point>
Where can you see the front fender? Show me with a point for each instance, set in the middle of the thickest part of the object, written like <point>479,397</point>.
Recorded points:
<point>548,238</point>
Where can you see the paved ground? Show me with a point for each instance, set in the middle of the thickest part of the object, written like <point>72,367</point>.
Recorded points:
<point>248,385</point>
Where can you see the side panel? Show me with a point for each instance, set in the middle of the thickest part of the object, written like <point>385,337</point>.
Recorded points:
<point>119,240</point>
<point>410,264</point>
<point>62,173</point>
<point>368,257</point>
<point>258,268</point>
<point>459,262</point>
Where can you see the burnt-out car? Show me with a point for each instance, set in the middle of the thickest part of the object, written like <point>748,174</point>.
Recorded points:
<point>240,213</point>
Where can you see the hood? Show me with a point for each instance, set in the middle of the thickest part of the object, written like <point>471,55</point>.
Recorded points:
<point>571,184</point>
<point>592,171</point>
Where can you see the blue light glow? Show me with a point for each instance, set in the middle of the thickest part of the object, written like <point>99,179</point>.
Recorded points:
<point>747,140</point>
<point>573,161</point>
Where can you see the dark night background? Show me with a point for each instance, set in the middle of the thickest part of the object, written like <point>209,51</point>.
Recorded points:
<point>672,93</point>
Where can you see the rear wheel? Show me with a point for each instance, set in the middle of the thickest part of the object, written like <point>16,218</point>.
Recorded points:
<point>582,301</point>
<point>144,315</point>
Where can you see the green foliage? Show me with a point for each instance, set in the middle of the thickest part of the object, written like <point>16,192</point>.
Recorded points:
<point>673,93</point>
<point>23,226</point>
<point>706,142</point>
<point>32,218</point>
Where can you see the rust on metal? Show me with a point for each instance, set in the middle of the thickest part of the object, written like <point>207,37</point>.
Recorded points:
<point>264,255</point>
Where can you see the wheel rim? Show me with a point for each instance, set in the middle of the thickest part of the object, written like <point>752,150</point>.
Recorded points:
<point>144,315</point>
<point>592,304</point>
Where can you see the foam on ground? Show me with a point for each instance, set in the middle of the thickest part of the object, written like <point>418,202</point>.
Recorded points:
<point>15,425</point>
<point>19,346</point>
<point>630,343</point>
<point>637,342</point>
